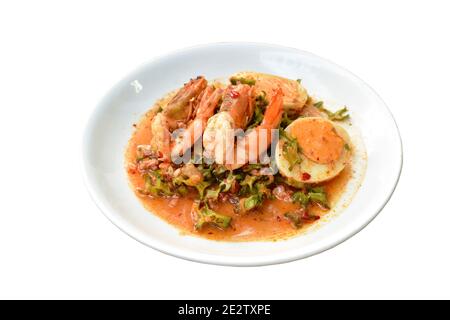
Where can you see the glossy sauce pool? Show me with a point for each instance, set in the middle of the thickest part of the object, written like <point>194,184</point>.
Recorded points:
<point>265,223</point>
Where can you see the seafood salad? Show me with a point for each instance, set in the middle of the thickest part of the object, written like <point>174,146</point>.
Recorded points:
<point>254,157</point>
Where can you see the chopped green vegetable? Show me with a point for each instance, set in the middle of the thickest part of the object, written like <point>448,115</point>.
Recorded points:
<point>205,216</point>
<point>307,216</point>
<point>248,182</point>
<point>301,198</point>
<point>234,81</point>
<point>206,171</point>
<point>316,194</point>
<point>261,99</point>
<point>261,103</point>
<point>219,170</point>
<point>226,184</point>
<point>254,189</point>
<point>291,150</point>
<point>201,187</point>
<point>289,181</point>
<point>258,116</point>
<point>180,180</point>
<point>252,166</point>
<point>340,115</point>
<point>299,81</point>
<point>212,194</point>
<point>318,104</point>
<point>297,218</point>
<point>262,189</point>
<point>294,219</point>
<point>154,184</point>
<point>189,175</point>
<point>182,190</point>
<point>319,196</point>
<point>347,147</point>
<point>285,120</point>
<point>252,202</point>
<point>293,183</point>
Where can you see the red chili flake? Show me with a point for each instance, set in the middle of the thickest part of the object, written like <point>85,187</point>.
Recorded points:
<point>306,176</point>
<point>234,94</point>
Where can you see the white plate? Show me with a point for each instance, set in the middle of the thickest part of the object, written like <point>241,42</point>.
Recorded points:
<point>110,127</point>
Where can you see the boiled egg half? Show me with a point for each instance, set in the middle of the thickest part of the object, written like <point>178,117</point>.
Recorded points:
<point>313,150</point>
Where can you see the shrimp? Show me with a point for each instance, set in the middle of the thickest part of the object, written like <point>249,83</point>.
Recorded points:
<point>251,147</point>
<point>209,101</point>
<point>195,98</point>
<point>175,113</point>
<point>235,112</point>
<point>294,95</point>
<point>239,103</point>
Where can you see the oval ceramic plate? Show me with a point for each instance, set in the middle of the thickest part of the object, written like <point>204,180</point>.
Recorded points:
<point>110,128</point>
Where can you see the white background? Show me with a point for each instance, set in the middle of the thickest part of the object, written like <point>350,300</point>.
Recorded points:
<point>58,58</point>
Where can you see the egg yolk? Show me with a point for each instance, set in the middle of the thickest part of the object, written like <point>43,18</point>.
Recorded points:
<point>318,140</point>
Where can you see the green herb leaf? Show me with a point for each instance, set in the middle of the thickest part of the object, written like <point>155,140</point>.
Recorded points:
<point>301,198</point>
<point>205,216</point>
<point>154,184</point>
<point>182,190</point>
<point>248,181</point>
<point>261,103</point>
<point>252,202</point>
<point>219,170</point>
<point>285,120</point>
<point>201,187</point>
<point>235,80</point>
<point>290,149</point>
<point>319,196</point>
<point>318,104</point>
<point>252,166</point>
<point>226,184</point>
<point>340,115</point>
<point>206,171</point>
<point>315,194</point>
<point>212,194</point>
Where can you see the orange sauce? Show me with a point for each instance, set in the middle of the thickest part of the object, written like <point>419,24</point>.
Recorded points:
<point>265,223</point>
